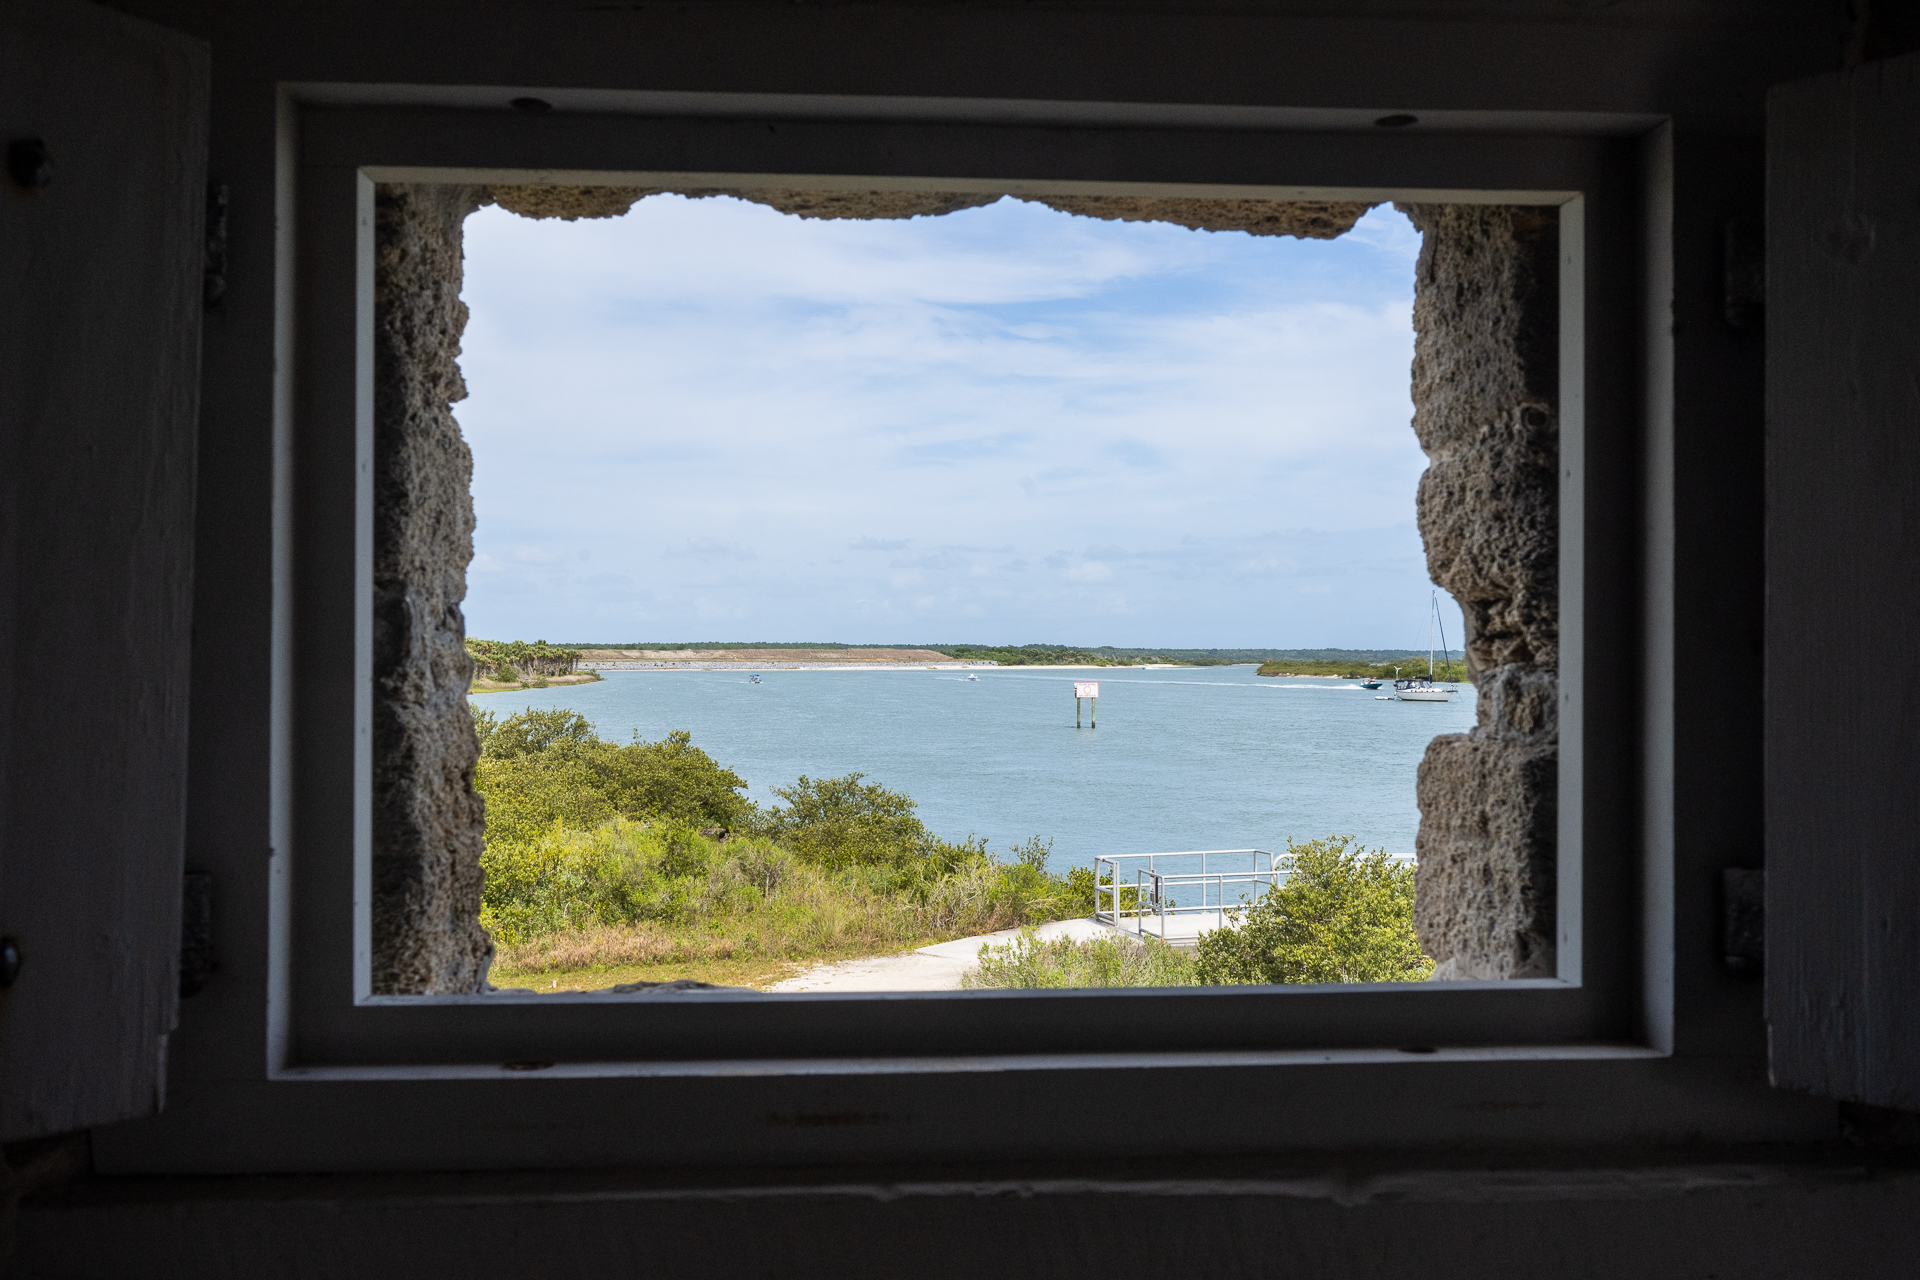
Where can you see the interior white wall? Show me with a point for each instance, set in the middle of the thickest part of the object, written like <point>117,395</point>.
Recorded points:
<point>1808,1209</point>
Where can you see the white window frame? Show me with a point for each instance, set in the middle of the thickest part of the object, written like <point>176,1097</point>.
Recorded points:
<point>527,1080</point>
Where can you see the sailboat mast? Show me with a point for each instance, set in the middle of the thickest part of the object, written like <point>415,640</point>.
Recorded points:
<point>1433,611</point>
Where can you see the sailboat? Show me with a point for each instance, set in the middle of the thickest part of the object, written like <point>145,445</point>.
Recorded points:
<point>1418,690</point>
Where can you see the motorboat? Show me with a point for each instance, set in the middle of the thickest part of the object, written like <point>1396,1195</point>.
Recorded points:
<point>1371,684</point>
<point>972,676</point>
<point>753,679</point>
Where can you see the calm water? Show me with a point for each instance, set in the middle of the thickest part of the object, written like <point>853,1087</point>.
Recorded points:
<point>1193,758</point>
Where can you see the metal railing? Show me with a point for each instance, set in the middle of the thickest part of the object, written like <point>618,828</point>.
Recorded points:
<point>1157,890</point>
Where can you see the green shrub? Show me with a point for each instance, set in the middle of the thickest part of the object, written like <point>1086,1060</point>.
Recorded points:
<point>527,796</point>
<point>1344,914</point>
<point>843,822</point>
<point>553,733</point>
<point>542,767</point>
<point>1028,962</point>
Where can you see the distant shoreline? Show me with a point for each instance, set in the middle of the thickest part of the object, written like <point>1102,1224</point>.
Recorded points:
<point>729,659</point>
<point>744,666</point>
<point>784,666</point>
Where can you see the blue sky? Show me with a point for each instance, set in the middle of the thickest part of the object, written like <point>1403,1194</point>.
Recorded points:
<point>711,421</point>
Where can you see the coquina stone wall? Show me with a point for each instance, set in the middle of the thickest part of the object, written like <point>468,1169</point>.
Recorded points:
<point>1307,219</point>
<point>1485,413</point>
<point>1485,394</point>
<point>428,823</point>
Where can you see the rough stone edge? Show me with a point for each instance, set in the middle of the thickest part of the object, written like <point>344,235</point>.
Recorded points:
<point>429,824</point>
<point>1308,219</point>
<point>571,203</point>
<point>1485,389</point>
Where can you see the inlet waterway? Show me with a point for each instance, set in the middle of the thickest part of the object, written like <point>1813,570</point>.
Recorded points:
<point>1183,758</point>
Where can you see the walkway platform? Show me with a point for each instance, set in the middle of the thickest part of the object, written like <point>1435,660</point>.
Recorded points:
<point>1182,931</point>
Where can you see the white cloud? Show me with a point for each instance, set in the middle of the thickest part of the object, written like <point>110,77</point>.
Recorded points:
<point>1089,571</point>
<point>712,388</point>
<point>708,549</point>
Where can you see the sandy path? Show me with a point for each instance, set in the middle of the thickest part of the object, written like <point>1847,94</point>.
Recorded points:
<point>935,968</point>
<point>909,972</point>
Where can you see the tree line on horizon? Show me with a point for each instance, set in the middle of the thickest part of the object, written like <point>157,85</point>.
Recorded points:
<point>1400,667</point>
<point>1044,654</point>
<point>515,661</point>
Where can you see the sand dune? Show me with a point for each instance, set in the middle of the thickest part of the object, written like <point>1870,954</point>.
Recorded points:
<point>762,657</point>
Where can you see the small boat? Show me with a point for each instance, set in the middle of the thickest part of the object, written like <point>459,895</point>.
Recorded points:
<point>971,676</point>
<point>1371,684</point>
<point>1425,690</point>
<point>753,679</point>
<point>1421,691</point>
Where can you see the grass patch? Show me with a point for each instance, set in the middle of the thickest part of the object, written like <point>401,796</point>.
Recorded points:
<point>1028,962</point>
<point>756,972</point>
<point>627,902</point>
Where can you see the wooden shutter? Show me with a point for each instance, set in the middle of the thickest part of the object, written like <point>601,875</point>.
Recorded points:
<point>101,245</point>
<point>1843,573</point>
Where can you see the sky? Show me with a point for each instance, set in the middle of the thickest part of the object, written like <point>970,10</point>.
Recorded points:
<point>708,420</point>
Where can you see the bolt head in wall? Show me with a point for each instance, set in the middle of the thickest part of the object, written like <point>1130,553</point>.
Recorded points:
<point>29,163</point>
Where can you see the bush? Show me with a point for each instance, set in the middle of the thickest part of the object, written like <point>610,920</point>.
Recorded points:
<point>1116,961</point>
<point>1344,914</point>
<point>984,895</point>
<point>527,796</point>
<point>532,733</point>
<point>542,767</point>
<point>844,822</point>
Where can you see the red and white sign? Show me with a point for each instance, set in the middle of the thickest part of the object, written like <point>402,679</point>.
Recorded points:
<point>1086,688</point>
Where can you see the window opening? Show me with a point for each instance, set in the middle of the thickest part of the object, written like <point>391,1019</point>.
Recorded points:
<point>1483,368</point>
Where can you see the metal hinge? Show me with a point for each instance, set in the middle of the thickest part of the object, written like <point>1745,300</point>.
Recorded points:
<point>214,277</point>
<point>1743,920</point>
<point>197,961</point>
<point>1745,264</point>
